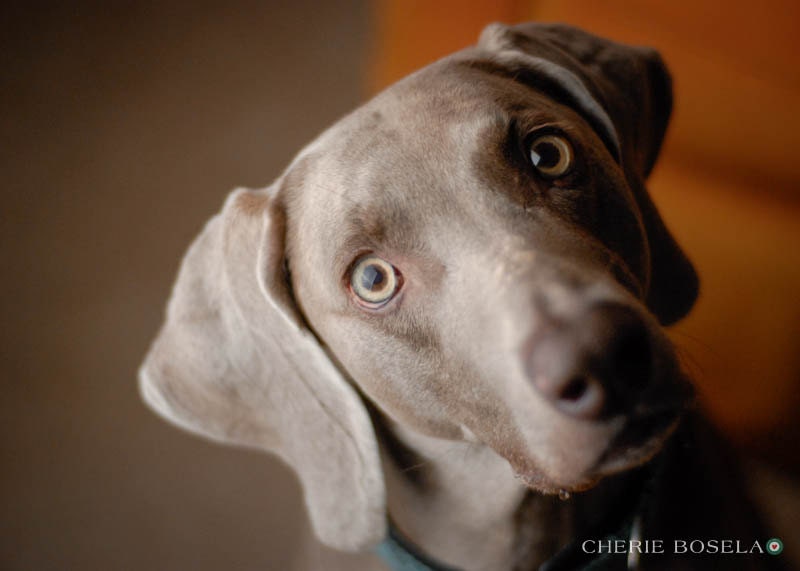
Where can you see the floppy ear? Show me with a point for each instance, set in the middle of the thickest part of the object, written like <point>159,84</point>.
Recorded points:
<point>625,93</point>
<point>234,363</point>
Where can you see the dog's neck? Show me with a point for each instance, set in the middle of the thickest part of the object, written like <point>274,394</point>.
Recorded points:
<point>459,503</point>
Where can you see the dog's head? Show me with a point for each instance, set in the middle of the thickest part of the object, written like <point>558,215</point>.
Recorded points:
<point>474,251</point>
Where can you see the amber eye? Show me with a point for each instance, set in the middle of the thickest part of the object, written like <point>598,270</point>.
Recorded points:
<point>374,281</point>
<point>551,155</point>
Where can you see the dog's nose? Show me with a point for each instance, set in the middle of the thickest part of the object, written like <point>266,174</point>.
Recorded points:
<point>594,364</point>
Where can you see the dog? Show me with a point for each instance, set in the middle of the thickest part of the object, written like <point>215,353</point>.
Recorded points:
<point>447,316</point>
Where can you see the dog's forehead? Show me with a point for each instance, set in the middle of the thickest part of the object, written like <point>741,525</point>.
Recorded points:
<point>417,139</point>
<point>422,160</point>
<point>407,150</point>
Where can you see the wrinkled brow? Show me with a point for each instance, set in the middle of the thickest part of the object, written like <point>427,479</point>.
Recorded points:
<point>381,225</point>
<point>557,82</point>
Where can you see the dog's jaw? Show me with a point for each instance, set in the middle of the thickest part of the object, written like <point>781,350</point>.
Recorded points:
<point>439,485</point>
<point>632,446</point>
<point>438,491</point>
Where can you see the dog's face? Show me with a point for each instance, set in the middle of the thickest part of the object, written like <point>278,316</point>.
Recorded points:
<point>475,250</point>
<point>437,264</point>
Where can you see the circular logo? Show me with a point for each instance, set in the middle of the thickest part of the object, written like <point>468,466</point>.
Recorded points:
<point>774,546</point>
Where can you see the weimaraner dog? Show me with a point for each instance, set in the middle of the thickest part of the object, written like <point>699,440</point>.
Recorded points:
<point>446,316</point>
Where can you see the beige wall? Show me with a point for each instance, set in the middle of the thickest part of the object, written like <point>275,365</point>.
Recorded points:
<point>122,130</point>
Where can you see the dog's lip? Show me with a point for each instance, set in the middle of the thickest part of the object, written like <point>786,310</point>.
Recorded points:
<point>538,481</point>
<point>646,428</point>
<point>641,438</point>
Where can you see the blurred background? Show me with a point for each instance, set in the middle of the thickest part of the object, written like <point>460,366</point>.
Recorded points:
<point>123,126</point>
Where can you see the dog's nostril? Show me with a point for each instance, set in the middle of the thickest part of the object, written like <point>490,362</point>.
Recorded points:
<point>575,389</point>
<point>581,397</point>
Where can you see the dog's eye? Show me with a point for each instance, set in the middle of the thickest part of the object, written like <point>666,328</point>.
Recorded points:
<point>374,281</point>
<point>551,155</point>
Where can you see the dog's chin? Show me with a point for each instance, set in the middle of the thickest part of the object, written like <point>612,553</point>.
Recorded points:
<point>547,485</point>
<point>639,440</point>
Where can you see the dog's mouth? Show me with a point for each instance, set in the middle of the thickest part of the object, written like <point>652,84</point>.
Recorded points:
<point>640,439</point>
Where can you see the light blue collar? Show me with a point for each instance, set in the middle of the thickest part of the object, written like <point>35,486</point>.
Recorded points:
<point>401,555</point>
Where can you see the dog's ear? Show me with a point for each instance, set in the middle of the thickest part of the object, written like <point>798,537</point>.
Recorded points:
<point>625,93</point>
<point>235,363</point>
